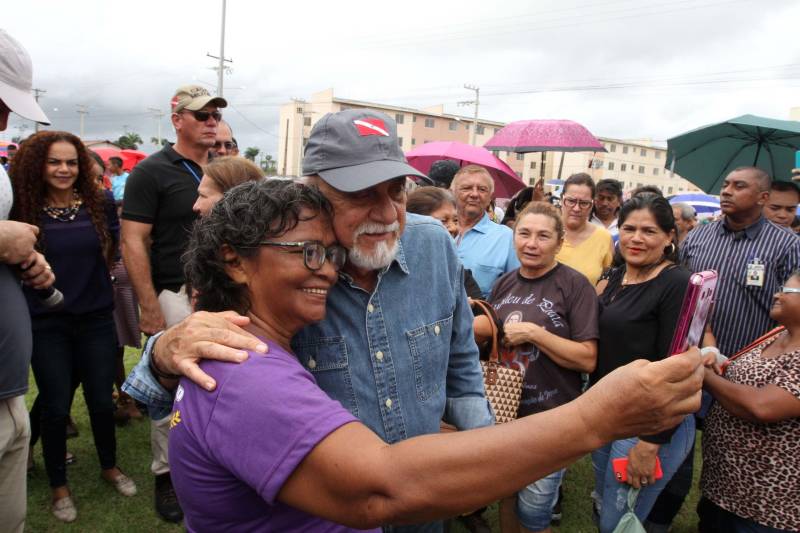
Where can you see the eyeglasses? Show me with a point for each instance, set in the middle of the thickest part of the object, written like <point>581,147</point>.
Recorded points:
<point>789,290</point>
<point>314,253</point>
<point>228,145</point>
<point>482,189</point>
<point>572,202</point>
<point>203,116</point>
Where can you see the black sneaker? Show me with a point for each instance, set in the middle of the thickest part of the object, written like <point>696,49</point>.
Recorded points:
<point>167,505</point>
<point>555,518</point>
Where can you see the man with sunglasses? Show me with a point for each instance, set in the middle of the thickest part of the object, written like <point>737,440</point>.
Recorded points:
<point>157,217</point>
<point>223,144</point>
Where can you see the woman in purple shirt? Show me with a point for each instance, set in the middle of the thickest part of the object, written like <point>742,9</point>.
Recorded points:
<point>78,228</point>
<point>268,450</point>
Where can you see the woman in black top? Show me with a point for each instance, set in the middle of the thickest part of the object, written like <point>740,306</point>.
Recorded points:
<point>638,313</point>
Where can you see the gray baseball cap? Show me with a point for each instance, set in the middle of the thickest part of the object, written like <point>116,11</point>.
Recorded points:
<point>355,149</point>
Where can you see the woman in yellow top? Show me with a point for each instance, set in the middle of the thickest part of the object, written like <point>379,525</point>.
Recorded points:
<point>587,248</point>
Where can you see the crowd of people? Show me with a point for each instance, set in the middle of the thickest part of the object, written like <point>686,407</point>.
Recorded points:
<point>338,312</point>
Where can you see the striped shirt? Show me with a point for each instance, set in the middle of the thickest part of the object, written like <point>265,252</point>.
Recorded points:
<point>741,312</point>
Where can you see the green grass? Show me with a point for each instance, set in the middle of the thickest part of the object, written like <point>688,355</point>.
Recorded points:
<point>101,509</point>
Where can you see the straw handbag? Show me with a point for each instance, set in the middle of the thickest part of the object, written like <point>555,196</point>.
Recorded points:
<point>503,385</point>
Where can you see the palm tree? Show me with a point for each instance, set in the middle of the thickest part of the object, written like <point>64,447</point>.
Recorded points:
<point>251,153</point>
<point>130,141</point>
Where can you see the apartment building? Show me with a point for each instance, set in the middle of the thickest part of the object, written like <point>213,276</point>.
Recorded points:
<point>634,163</point>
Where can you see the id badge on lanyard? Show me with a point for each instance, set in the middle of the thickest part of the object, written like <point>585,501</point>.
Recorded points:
<point>755,273</point>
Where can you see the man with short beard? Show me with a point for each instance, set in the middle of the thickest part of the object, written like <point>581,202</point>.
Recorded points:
<point>396,347</point>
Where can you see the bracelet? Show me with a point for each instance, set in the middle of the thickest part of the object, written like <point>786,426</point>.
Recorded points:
<point>157,371</point>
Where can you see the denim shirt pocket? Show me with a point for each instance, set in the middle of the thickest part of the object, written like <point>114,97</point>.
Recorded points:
<point>430,354</point>
<point>326,358</point>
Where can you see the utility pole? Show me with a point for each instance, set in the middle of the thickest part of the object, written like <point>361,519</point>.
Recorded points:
<point>82,111</point>
<point>157,114</point>
<point>36,94</point>
<point>476,103</point>
<point>221,67</point>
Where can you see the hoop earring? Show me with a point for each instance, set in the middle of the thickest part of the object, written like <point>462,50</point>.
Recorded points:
<point>672,249</point>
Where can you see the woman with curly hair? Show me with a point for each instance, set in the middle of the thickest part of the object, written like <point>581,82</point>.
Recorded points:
<point>54,189</point>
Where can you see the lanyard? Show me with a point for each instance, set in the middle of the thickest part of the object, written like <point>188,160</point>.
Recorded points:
<point>191,170</point>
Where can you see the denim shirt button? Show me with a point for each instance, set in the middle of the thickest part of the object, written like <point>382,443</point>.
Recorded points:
<point>388,403</point>
<point>312,364</point>
<point>379,355</point>
<point>437,329</point>
<point>370,308</point>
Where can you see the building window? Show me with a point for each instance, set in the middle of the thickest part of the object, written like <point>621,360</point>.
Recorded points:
<point>519,174</point>
<point>306,121</point>
<point>623,167</point>
<point>658,154</point>
<point>480,130</point>
<point>596,163</point>
<point>669,190</point>
<point>520,157</point>
<point>544,156</point>
<point>453,125</point>
<point>610,165</point>
<point>399,118</point>
<point>624,149</point>
<point>496,153</point>
<point>429,123</point>
<point>638,184</point>
<point>641,169</point>
<point>413,141</point>
<point>533,165</point>
<point>496,130</point>
<point>613,148</point>
<point>400,141</point>
<point>413,118</point>
<point>643,152</point>
<point>655,171</point>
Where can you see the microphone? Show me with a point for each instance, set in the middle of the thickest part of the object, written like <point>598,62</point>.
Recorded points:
<point>50,297</point>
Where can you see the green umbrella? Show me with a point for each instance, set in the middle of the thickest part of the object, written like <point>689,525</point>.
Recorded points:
<point>706,155</point>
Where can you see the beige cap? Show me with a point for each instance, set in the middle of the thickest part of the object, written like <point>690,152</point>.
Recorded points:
<point>194,98</point>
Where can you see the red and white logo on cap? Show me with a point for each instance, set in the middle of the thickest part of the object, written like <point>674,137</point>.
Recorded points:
<point>174,102</point>
<point>370,126</point>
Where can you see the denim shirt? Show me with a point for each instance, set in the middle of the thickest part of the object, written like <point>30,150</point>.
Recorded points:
<point>401,358</point>
<point>487,250</point>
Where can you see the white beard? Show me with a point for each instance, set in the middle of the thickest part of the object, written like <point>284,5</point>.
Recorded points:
<point>382,255</point>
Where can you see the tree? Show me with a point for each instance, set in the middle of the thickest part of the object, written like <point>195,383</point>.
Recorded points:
<point>268,165</point>
<point>154,140</point>
<point>251,153</point>
<point>130,141</point>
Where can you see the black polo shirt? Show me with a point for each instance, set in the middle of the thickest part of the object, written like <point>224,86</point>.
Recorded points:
<point>161,191</point>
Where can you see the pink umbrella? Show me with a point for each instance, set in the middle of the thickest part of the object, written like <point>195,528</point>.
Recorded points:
<point>544,136</point>
<point>506,182</point>
<point>129,157</point>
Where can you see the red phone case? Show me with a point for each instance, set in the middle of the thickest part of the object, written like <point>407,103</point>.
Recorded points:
<point>695,311</point>
<point>620,466</point>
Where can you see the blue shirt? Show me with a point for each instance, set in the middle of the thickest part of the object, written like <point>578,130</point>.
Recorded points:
<point>118,186</point>
<point>487,250</point>
<point>741,311</point>
<point>400,358</point>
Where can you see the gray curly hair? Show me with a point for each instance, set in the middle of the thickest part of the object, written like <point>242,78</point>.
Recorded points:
<point>247,214</point>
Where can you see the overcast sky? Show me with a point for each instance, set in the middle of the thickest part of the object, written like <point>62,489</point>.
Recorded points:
<point>630,69</point>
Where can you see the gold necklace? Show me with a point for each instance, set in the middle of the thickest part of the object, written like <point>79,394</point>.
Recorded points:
<point>65,214</point>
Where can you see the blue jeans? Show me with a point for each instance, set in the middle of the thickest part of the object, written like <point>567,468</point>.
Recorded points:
<point>535,502</point>
<point>83,345</point>
<point>612,496</point>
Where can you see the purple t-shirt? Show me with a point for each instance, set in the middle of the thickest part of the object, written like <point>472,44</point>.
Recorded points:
<point>231,450</point>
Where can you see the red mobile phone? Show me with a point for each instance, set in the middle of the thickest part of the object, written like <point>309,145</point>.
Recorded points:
<point>620,466</point>
<point>694,312</point>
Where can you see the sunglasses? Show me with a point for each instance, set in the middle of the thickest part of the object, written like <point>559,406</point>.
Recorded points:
<point>789,290</point>
<point>314,253</point>
<point>228,145</point>
<point>203,116</point>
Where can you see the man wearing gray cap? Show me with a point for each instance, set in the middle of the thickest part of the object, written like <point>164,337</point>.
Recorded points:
<point>396,346</point>
<point>17,242</point>
<point>157,216</point>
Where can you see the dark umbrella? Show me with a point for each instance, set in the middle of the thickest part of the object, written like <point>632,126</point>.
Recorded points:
<point>706,155</point>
